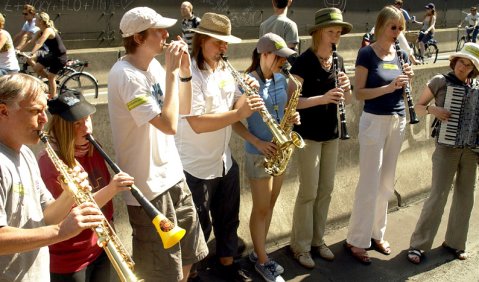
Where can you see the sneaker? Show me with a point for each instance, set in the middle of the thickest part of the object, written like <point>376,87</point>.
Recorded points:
<point>268,272</point>
<point>305,259</point>
<point>234,272</point>
<point>325,252</point>
<point>253,257</point>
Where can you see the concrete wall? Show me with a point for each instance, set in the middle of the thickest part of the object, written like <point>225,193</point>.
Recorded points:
<point>412,178</point>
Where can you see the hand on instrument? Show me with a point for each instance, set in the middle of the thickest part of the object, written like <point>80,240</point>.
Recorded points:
<point>333,96</point>
<point>439,112</point>
<point>253,103</point>
<point>79,176</point>
<point>407,69</point>
<point>85,216</point>
<point>295,119</point>
<point>343,81</point>
<point>121,182</point>
<point>268,149</point>
<point>176,58</point>
<point>399,82</point>
<point>253,83</point>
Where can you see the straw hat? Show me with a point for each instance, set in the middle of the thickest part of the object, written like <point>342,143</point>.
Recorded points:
<point>469,51</point>
<point>330,17</point>
<point>217,26</point>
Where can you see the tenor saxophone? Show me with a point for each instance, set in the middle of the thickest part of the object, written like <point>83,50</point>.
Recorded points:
<point>107,239</point>
<point>276,165</point>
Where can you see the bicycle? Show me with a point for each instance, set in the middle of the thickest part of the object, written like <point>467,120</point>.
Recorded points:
<point>71,76</point>
<point>430,48</point>
<point>466,37</point>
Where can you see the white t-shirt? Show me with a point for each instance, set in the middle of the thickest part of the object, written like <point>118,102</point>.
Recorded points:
<point>471,19</point>
<point>23,197</point>
<point>30,27</point>
<point>8,59</point>
<point>143,151</point>
<point>205,155</point>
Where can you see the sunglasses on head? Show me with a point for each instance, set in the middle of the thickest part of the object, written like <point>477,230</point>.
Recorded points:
<point>394,27</point>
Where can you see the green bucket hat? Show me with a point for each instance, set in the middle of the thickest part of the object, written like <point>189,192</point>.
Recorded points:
<point>330,17</point>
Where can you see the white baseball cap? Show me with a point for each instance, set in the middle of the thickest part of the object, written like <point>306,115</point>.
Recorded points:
<point>142,18</point>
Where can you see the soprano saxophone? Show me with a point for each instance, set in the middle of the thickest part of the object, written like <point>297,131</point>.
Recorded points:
<point>277,164</point>
<point>107,239</point>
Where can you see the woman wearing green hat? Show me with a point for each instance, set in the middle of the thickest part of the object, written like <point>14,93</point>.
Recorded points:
<point>321,92</point>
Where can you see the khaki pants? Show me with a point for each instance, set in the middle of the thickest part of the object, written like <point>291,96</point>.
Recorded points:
<point>447,162</point>
<point>317,168</point>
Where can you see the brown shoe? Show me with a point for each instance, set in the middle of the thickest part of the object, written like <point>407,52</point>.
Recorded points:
<point>361,255</point>
<point>459,254</point>
<point>382,247</point>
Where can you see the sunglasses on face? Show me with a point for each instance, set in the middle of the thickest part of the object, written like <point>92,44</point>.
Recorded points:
<point>394,27</point>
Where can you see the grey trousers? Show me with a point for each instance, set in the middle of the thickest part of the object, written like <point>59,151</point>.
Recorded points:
<point>447,162</point>
<point>317,168</point>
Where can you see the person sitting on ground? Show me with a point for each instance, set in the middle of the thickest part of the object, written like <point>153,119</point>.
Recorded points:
<point>8,59</point>
<point>49,64</point>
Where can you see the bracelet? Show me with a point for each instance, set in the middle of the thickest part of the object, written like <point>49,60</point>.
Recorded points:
<point>186,79</point>
<point>427,109</point>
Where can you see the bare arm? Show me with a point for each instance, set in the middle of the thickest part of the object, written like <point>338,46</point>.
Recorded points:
<point>15,240</point>
<point>3,39</point>
<point>423,102</point>
<point>119,182</point>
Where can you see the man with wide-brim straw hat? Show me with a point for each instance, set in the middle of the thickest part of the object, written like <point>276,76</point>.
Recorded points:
<point>322,90</point>
<point>452,166</point>
<point>203,138</point>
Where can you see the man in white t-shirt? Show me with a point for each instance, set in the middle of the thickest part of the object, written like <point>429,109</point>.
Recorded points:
<point>144,102</point>
<point>472,21</point>
<point>29,28</point>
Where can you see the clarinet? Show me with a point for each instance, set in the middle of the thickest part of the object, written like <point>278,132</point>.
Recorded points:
<point>407,88</point>
<point>341,108</point>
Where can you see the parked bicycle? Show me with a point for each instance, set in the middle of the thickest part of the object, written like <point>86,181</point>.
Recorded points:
<point>72,76</point>
<point>430,48</point>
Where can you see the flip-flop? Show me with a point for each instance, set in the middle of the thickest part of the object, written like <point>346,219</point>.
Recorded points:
<point>384,247</point>
<point>459,254</point>
<point>362,257</point>
<point>415,253</point>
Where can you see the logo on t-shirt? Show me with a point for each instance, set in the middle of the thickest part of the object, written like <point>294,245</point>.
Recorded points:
<point>158,94</point>
<point>390,67</point>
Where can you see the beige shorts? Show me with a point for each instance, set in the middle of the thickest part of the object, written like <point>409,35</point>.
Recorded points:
<point>254,166</point>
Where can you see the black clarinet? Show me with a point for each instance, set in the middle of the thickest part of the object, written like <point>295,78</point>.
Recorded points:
<point>407,88</point>
<point>341,109</point>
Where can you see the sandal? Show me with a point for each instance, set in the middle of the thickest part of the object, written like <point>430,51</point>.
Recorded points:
<point>361,256</point>
<point>382,247</point>
<point>415,256</point>
<point>459,254</point>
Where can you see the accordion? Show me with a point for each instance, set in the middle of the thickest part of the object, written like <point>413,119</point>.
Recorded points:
<point>462,128</point>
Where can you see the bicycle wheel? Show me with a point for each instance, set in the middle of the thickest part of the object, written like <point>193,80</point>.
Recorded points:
<point>460,43</point>
<point>83,82</point>
<point>430,54</point>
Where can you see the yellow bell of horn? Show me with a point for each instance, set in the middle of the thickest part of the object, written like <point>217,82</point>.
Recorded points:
<point>169,232</point>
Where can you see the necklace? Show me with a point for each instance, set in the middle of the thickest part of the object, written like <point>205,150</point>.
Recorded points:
<point>273,97</point>
<point>325,62</point>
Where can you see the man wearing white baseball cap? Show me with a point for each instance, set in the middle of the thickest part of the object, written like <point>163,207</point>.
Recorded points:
<point>144,102</point>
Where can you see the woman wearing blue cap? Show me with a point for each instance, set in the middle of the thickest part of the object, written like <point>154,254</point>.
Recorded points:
<point>428,27</point>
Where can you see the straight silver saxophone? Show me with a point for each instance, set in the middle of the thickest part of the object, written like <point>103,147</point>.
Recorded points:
<point>282,140</point>
<point>277,164</point>
<point>107,239</point>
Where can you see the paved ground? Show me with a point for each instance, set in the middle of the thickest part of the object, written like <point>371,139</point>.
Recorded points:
<point>438,266</point>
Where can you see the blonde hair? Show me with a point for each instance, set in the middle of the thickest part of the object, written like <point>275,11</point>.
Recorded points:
<point>19,86</point>
<point>2,20</point>
<point>63,134</point>
<point>387,14</point>
<point>44,17</point>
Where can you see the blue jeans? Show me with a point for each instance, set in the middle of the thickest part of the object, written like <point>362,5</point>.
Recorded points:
<point>474,30</point>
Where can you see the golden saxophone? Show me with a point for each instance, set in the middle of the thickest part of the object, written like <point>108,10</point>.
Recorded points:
<point>107,239</point>
<point>277,164</point>
<point>282,140</point>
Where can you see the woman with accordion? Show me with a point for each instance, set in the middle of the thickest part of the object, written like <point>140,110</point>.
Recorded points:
<point>449,159</point>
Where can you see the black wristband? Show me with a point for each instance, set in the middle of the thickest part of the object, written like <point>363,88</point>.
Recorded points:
<point>185,79</point>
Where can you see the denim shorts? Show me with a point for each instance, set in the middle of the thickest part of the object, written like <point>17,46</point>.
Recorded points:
<point>254,166</point>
